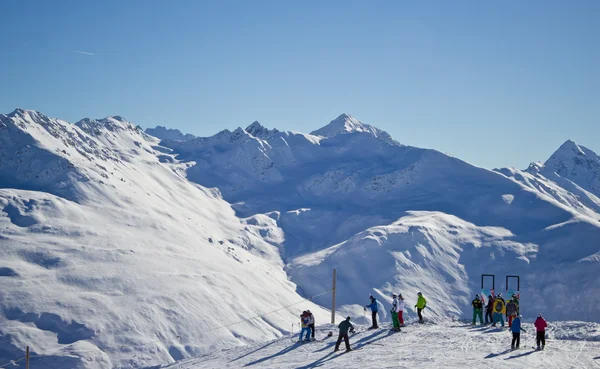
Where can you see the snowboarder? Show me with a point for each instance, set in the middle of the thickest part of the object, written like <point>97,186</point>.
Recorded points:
<point>311,324</point>
<point>394,312</point>
<point>477,309</point>
<point>516,331</point>
<point>374,309</point>
<point>401,306</point>
<point>420,306</point>
<point>511,311</point>
<point>499,310</point>
<point>304,321</point>
<point>344,327</point>
<point>540,327</point>
<point>489,310</point>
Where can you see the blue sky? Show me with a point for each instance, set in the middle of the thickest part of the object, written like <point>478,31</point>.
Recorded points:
<point>493,83</point>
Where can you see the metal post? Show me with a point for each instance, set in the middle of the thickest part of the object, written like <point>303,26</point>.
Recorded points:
<point>333,299</point>
<point>27,358</point>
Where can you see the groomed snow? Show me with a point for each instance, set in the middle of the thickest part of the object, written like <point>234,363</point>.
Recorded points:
<point>448,345</point>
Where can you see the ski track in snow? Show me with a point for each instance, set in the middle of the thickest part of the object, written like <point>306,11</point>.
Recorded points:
<point>449,345</point>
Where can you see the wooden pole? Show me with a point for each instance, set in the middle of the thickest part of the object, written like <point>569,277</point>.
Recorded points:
<point>333,299</point>
<point>27,358</point>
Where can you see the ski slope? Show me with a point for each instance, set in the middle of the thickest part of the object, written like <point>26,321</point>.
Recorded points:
<point>121,250</point>
<point>110,257</point>
<point>447,345</point>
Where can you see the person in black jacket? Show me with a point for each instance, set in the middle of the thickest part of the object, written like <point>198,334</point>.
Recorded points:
<point>488,310</point>
<point>344,327</point>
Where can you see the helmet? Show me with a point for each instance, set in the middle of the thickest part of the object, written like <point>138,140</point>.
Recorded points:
<point>490,296</point>
<point>400,296</point>
<point>500,295</point>
<point>419,293</point>
<point>394,295</point>
<point>348,318</point>
<point>477,295</point>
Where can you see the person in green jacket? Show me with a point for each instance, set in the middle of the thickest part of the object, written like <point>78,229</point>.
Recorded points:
<point>477,309</point>
<point>344,327</point>
<point>420,306</point>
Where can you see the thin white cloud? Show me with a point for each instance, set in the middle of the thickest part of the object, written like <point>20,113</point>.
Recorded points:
<point>83,52</point>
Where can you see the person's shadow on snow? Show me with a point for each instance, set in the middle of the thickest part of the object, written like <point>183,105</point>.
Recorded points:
<point>491,356</point>
<point>282,352</point>
<point>521,355</point>
<point>319,362</point>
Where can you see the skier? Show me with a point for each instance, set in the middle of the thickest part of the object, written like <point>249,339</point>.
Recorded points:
<point>374,309</point>
<point>516,331</point>
<point>394,312</point>
<point>499,310</point>
<point>515,299</point>
<point>344,327</point>
<point>477,309</point>
<point>311,324</point>
<point>540,327</point>
<point>511,311</point>
<point>420,306</point>
<point>488,310</point>
<point>401,306</point>
<point>304,321</point>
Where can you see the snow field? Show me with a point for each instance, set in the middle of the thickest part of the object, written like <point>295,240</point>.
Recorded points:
<point>448,345</point>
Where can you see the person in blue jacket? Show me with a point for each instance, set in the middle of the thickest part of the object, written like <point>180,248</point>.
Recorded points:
<point>374,309</point>
<point>516,331</point>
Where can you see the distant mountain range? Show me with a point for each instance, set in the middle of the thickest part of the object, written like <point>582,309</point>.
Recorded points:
<point>117,240</point>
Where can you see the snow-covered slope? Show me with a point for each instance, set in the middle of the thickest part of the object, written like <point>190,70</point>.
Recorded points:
<point>110,257</point>
<point>332,190</point>
<point>577,164</point>
<point>122,250</point>
<point>455,345</point>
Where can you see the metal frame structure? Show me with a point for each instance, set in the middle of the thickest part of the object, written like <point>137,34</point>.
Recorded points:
<point>514,277</point>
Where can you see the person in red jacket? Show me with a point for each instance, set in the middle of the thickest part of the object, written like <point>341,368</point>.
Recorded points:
<point>540,327</point>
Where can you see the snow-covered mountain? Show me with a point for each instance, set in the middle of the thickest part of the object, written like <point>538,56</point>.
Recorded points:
<point>121,249</point>
<point>164,133</point>
<point>348,193</point>
<point>110,257</point>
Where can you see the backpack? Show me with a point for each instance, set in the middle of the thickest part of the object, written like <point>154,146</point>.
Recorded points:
<point>498,306</point>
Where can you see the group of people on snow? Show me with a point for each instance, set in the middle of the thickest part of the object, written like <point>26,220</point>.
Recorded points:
<point>307,322</point>
<point>497,308</point>
<point>398,306</point>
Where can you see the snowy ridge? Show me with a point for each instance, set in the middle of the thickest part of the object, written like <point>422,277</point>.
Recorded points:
<point>345,124</point>
<point>328,193</point>
<point>577,164</point>
<point>115,255</point>
<point>164,133</point>
<point>121,250</point>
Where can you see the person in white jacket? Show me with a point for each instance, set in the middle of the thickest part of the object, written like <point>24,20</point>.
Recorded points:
<point>400,309</point>
<point>311,324</point>
<point>394,312</point>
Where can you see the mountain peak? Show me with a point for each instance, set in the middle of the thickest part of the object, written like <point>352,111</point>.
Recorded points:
<point>577,164</point>
<point>258,130</point>
<point>571,147</point>
<point>164,133</point>
<point>346,123</point>
<point>24,113</point>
